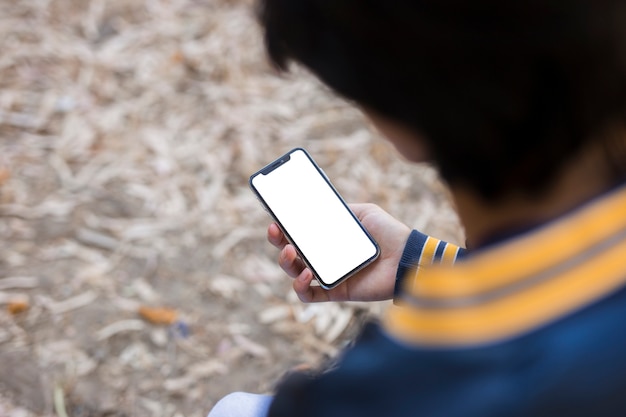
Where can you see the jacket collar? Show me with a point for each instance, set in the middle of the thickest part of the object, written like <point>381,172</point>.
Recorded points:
<point>521,284</point>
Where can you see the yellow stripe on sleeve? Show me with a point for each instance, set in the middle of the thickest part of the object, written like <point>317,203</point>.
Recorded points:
<point>449,254</point>
<point>428,253</point>
<point>425,260</point>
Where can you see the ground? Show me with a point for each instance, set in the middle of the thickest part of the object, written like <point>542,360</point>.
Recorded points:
<point>135,278</point>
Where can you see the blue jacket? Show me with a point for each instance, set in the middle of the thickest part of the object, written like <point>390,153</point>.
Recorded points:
<point>532,326</point>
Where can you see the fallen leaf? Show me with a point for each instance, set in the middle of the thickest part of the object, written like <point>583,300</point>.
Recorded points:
<point>158,315</point>
<point>17,307</point>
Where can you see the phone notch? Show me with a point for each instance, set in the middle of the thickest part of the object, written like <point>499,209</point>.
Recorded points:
<point>279,162</point>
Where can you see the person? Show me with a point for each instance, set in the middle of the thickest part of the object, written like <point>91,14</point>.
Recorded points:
<point>521,106</point>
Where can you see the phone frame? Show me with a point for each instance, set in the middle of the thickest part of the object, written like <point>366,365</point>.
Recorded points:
<point>279,162</point>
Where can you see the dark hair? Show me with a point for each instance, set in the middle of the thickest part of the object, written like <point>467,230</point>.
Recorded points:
<point>504,92</point>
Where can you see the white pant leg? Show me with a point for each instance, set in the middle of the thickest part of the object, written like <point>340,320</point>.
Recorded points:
<point>242,404</point>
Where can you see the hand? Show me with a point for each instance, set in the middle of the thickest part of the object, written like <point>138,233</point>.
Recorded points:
<point>374,283</point>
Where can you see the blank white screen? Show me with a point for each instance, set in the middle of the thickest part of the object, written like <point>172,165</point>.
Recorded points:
<point>317,221</point>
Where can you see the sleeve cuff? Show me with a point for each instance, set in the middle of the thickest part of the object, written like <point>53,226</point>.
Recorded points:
<point>423,250</point>
<point>410,258</point>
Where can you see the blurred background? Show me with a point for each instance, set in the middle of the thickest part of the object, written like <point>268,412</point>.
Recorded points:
<point>135,278</point>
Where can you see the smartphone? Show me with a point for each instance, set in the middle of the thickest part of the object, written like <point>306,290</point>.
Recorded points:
<point>327,235</point>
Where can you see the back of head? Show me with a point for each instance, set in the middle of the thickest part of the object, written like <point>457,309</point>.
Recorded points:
<point>503,93</point>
